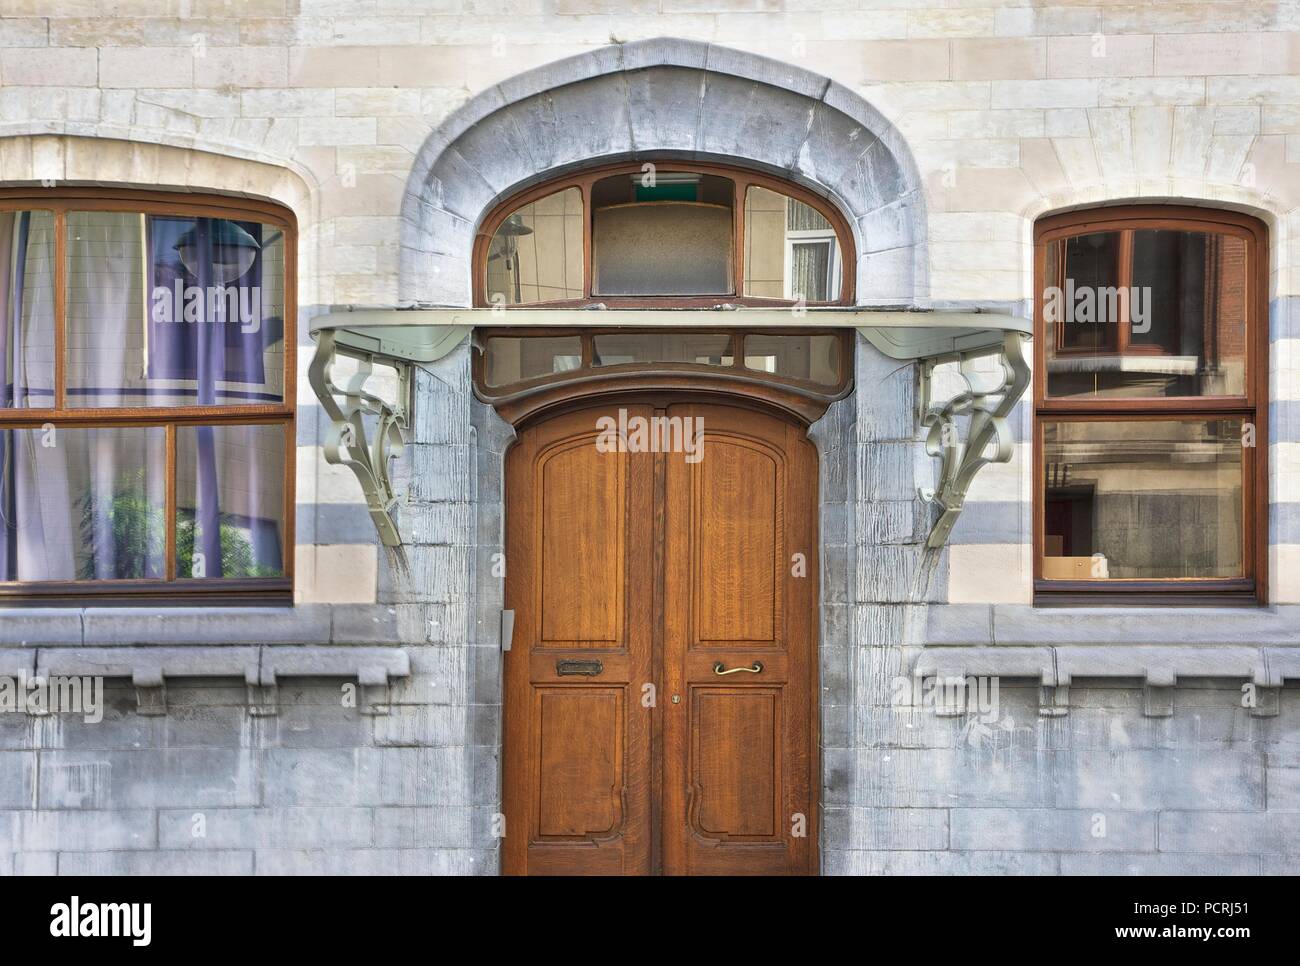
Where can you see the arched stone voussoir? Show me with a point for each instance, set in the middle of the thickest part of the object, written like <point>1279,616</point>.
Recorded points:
<point>663,98</point>
<point>79,160</point>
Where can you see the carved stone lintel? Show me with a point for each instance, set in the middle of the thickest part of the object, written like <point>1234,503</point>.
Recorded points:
<point>988,409</point>
<point>346,441</point>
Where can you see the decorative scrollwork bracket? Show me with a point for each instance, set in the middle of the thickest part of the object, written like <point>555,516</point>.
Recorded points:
<point>988,437</point>
<point>346,442</point>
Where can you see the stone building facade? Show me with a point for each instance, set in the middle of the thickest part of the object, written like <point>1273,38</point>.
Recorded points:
<point>943,134</point>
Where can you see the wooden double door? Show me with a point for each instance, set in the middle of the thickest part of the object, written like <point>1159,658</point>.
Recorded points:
<point>660,692</point>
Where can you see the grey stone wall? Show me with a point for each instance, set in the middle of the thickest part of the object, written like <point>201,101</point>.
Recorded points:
<point>876,577</point>
<point>235,779</point>
<point>1094,776</point>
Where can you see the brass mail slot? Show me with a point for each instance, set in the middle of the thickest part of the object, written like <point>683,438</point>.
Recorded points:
<point>588,669</point>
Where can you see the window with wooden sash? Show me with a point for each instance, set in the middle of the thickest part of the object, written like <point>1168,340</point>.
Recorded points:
<point>147,420</point>
<point>668,234</point>
<point>1150,391</point>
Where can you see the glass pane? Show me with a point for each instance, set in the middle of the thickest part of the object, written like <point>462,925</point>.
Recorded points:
<point>791,250</point>
<point>83,504</point>
<point>705,348</point>
<point>230,501</point>
<point>1143,499</point>
<point>536,253</point>
<point>662,248</point>
<point>815,358</point>
<point>810,266</point>
<point>27,297</point>
<point>1179,330</point>
<point>510,359</point>
<point>209,331</point>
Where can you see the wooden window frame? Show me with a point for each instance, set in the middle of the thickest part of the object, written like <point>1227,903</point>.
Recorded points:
<point>742,179</point>
<point>171,590</point>
<point>1251,407</point>
<point>803,398</point>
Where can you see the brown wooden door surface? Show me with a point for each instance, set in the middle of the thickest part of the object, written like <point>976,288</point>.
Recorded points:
<point>665,571</point>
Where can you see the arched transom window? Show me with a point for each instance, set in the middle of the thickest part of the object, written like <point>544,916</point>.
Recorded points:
<point>664,234</point>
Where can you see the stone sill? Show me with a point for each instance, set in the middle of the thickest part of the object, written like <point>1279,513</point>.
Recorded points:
<point>1020,625</point>
<point>1154,646</point>
<point>342,624</point>
<point>256,645</point>
<point>260,667</point>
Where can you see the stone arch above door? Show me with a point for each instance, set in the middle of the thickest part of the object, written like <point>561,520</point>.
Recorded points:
<point>664,98</point>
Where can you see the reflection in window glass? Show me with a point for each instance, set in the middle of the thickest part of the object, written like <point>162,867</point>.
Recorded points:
<point>791,250</point>
<point>536,253</point>
<point>1170,322</point>
<point>1092,266</point>
<point>814,358</point>
<point>509,359</point>
<point>230,501</point>
<point>173,311</point>
<point>704,348</point>
<point>1142,499</point>
<point>83,504</point>
<point>27,302</point>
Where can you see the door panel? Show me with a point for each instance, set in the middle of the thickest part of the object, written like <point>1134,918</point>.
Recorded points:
<point>576,769</point>
<point>580,761</point>
<point>738,775</point>
<point>582,537</point>
<point>736,526</point>
<point>736,763</point>
<point>660,570</point>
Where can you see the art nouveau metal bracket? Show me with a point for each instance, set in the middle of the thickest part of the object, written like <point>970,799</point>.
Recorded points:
<point>406,337</point>
<point>346,443</point>
<point>988,437</point>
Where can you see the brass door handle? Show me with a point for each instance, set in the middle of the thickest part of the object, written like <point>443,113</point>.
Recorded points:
<point>754,668</point>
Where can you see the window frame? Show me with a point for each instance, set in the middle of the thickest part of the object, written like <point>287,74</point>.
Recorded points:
<point>171,590</point>
<point>741,179</point>
<point>1251,407</point>
<point>518,400</point>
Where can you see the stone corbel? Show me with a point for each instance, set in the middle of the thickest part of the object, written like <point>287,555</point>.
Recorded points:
<point>1158,693</point>
<point>988,437</point>
<point>376,693</point>
<point>263,693</point>
<point>150,691</point>
<point>346,442</point>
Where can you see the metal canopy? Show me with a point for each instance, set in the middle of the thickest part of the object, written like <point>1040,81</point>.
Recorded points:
<point>402,338</point>
<point>426,335</point>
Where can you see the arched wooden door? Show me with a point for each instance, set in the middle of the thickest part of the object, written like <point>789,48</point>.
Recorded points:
<point>660,694</point>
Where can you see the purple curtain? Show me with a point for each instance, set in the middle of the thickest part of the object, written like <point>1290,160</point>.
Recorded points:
<point>89,503</point>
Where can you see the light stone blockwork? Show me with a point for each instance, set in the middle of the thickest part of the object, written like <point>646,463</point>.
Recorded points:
<point>942,132</point>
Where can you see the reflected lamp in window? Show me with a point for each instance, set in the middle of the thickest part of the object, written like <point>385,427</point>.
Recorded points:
<point>535,255</point>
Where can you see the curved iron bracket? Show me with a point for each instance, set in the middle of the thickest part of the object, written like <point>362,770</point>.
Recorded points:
<point>346,442</point>
<point>988,437</point>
